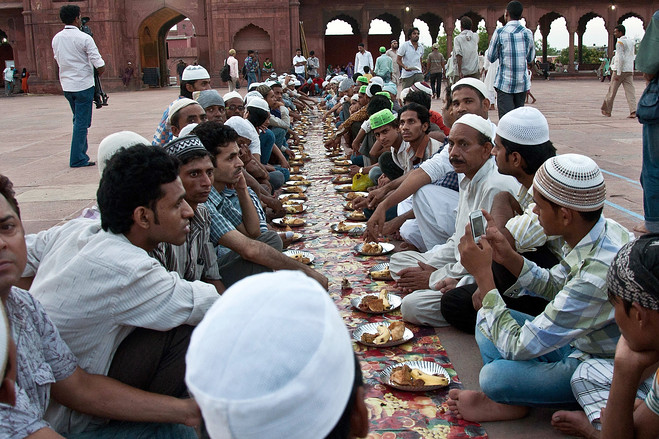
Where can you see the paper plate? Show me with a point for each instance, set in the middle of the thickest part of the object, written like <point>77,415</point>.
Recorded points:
<point>342,179</point>
<point>298,177</point>
<point>304,209</point>
<point>342,162</point>
<point>372,328</point>
<point>289,197</point>
<point>348,205</point>
<point>294,189</point>
<point>289,202</point>
<point>379,267</point>
<point>352,195</point>
<point>292,253</point>
<point>280,222</point>
<point>298,183</point>
<point>343,188</point>
<point>424,366</point>
<point>340,170</point>
<point>356,215</point>
<point>357,230</point>
<point>393,299</point>
<point>386,248</point>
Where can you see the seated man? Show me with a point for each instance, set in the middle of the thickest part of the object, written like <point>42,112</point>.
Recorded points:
<point>438,270</point>
<point>253,365</point>
<point>213,105</point>
<point>182,113</point>
<point>242,249</point>
<point>102,290</point>
<point>194,78</point>
<point>195,259</point>
<point>47,367</point>
<point>521,146</point>
<point>612,383</point>
<point>529,361</point>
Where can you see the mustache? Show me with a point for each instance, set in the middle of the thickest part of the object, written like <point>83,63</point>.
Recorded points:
<point>455,161</point>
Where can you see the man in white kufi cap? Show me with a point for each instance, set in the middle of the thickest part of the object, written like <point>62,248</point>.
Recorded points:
<point>529,361</point>
<point>194,78</point>
<point>428,275</point>
<point>521,146</point>
<point>258,370</point>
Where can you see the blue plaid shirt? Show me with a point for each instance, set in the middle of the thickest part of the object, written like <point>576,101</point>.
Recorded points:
<point>513,46</point>
<point>163,134</point>
<point>233,197</point>
<point>224,219</point>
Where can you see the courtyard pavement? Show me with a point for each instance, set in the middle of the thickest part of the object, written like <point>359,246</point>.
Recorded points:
<point>35,148</point>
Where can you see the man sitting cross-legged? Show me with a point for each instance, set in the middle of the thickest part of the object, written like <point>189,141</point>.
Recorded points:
<point>528,362</point>
<point>241,248</point>
<point>632,409</point>
<point>438,270</point>
<point>521,146</point>
<point>195,259</point>
<point>102,289</point>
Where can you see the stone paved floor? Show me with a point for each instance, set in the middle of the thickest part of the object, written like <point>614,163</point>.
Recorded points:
<point>37,130</point>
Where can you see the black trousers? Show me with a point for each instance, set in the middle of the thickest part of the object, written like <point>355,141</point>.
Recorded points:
<point>509,101</point>
<point>458,309</point>
<point>389,167</point>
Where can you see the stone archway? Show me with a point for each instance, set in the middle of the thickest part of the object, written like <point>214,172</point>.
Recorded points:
<point>152,34</point>
<point>6,51</point>
<point>252,37</point>
<point>340,49</point>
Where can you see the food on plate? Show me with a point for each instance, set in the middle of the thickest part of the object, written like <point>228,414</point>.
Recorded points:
<point>378,303</point>
<point>295,189</point>
<point>372,248</point>
<point>381,274</point>
<point>293,197</point>
<point>294,208</point>
<point>397,330</point>
<point>340,170</point>
<point>301,258</point>
<point>356,215</point>
<point>406,376</point>
<point>393,332</point>
<point>289,221</point>
<point>296,177</point>
<point>343,227</point>
<point>352,195</point>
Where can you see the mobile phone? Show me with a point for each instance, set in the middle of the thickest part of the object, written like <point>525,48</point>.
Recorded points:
<point>478,224</point>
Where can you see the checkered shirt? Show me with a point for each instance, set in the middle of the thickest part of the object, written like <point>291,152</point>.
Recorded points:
<point>579,313</point>
<point>163,135</point>
<point>224,219</point>
<point>513,46</point>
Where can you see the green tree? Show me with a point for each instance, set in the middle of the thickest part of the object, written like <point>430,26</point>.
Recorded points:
<point>589,55</point>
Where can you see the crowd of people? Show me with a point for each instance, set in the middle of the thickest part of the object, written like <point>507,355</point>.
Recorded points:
<point>152,314</point>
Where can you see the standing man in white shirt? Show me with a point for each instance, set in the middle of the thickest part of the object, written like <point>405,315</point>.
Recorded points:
<point>299,62</point>
<point>233,70</point>
<point>466,50</point>
<point>393,54</point>
<point>622,74</point>
<point>409,59</point>
<point>363,58</point>
<point>77,56</point>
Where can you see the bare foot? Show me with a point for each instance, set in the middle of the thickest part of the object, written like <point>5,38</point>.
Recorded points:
<point>477,407</point>
<point>534,99</point>
<point>574,424</point>
<point>641,229</point>
<point>604,113</point>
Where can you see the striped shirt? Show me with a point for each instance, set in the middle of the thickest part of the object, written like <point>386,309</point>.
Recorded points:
<point>513,46</point>
<point>163,134</point>
<point>526,229</point>
<point>232,195</point>
<point>579,313</point>
<point>97,287</point>
<point>652,400</point>
<point>224,219</point>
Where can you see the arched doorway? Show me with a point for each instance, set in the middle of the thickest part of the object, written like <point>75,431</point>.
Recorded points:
<point>254,38</point>
<point>154,33</point>
<point>342,35</point>
<point>6,51</point>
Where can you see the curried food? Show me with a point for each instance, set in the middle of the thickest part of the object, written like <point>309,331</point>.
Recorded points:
<point>294,208</point>
<point>381,274</point>
<point>301,258</point>
<point>406,376</point>
<point>372,248</point>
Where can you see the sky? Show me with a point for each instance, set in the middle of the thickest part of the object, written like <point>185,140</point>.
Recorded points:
<point>558,35</point>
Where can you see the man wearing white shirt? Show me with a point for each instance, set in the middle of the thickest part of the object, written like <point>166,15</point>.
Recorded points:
<point>623,73</point>
<point>77,56</point>
<point>119,310</point>
<point>299,62</point>
<point>409,59</point>
<point>466,50</point>
<point>363,58</point>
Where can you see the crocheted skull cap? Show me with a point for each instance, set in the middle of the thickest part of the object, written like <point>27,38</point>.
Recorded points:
<point>272,358</point>
<point>194,73</point>
<point>525,126</point>
<point>573,181</point>
<point>381,118</point>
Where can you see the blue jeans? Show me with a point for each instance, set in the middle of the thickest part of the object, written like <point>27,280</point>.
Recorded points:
<point>267,139</point>
<point>540,382</point>
<point>251,77</point>
<point>81,106</point>
<point>650,176</point>
<point>280,135</point>
<point>137,430</point>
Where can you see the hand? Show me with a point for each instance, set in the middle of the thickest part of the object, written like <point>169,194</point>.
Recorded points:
<point>475,258</point>
<point>477,299</point>
<point>500,246</point>
<point>375,197</point>
<point>289,153</point>
<point>284,164</point>
<point>356,145</point>
<point>191,415</point>
<point>240,184</point>
<point>354,169</point>
<point>393,227</point>
<point>319,277</point>
<point>446,284</point>
<point>415,278</point>
<point>383,180</point>
<point>374,225</point>
<point>634,362</point>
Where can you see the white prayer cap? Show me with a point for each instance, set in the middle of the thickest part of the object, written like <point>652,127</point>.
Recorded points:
<point>232,95</point>
<point>4,342</point>
<point>272,358</point>
<point>258,102</point>
<point>114,142</point>
<point>573,181</point>
<point>355,97</point>
<point>193,73</point>
<point>325,84</point>
<point>273,75</point>
<point>472,82</point>
<point>525,126</point>
<point>187,129</point>
<point>403,93</point>
<point>335,80</point>
<point>422,86</point>
<point>377,80</point>
<point>253,85</point>
<point>176,106</point>
<point>476,122</point>
<point>245,129</point>
<point>297,82</point>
